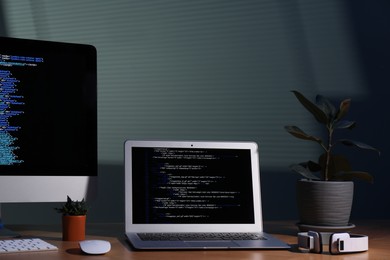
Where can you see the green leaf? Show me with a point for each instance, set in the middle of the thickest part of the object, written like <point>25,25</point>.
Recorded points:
<point>326,106</point>
<point>312,166</point>
<point>304,171</point>
<point>344,108</point>
<point>298,133</point>
<point>343,124</point>
<point>354,175</point>
<point>73,208</point>
<point>317,112</point>
<point>359,145</point>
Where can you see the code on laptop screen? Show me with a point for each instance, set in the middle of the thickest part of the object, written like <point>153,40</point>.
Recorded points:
<point>185,185</point>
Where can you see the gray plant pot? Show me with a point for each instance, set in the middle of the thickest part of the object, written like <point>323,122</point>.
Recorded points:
<point>324,203</point>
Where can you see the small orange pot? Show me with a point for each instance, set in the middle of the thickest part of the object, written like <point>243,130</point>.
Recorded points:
<point>73,228</point>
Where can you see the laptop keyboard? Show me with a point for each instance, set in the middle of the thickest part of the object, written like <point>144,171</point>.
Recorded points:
<point>200,236</point>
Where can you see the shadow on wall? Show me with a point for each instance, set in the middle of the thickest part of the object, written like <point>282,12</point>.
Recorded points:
<point>108,207</point>
<point>370,22</point>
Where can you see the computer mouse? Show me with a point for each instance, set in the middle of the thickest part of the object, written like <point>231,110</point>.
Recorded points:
<point>95,247</point>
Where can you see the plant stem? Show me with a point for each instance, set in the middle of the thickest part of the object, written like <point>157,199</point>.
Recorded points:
<point>328,150</point>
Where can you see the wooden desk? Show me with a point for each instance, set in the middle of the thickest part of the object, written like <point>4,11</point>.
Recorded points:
<point>378,232</point>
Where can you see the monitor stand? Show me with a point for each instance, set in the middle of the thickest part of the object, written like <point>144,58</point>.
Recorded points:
<point>5,232</point>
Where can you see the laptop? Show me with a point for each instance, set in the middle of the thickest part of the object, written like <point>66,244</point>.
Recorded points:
<point>194,195</point>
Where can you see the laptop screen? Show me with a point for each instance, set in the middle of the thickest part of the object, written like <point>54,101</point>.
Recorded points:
<point>192,186</point>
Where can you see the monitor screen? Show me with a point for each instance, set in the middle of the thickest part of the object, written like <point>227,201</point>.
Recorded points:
<point>48,119</point>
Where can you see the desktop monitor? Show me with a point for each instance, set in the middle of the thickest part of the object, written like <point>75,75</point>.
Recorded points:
<point>48,120</point>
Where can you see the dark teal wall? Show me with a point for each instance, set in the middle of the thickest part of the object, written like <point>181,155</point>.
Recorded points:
<point>223,70</point>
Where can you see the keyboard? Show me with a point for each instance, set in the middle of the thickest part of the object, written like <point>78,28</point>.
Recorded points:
<point>200,236</point>
<point>25,245</point>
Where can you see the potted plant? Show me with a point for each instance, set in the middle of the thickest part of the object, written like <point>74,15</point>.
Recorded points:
<point>74,215</point>
<point>325,195</point>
